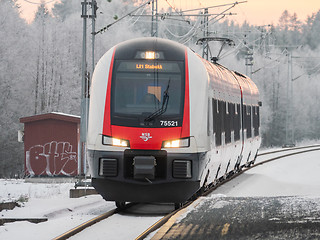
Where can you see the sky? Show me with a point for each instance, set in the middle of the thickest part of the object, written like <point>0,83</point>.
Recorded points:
<point>29,7</point>
<point>256,12</point>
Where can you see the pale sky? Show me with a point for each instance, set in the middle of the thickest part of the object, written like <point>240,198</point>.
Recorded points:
<point>258,12</point>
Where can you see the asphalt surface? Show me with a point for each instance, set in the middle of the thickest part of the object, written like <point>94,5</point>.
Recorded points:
<point>220,217</point>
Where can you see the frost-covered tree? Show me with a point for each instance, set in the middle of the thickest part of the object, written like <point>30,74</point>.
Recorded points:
<point>271,81</point>
<point>68,56</point>
<point>15,84</point>
<point>45,40</point>
<point>65,8</point>
<point>311,31</point>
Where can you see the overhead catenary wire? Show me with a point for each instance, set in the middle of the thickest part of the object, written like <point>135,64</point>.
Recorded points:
<point>128,14</point>
<point>194,28</point>
<point>177,36</point>
<point>217,18</point>
<point>266,65</point>
<point>139,16</point>
<point>221,15</point>
<point>179,13</point>
<point>239,45</point>
<point>197,15</point>
<point>248,45</point>
<point>306,73</point>
<point>217,6</point>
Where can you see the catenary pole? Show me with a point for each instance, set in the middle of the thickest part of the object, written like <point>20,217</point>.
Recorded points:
<point>205,50</point>
<point>85,87</point>
<point>154,19</point>
<point>81,157</point>
<point>93,17</point>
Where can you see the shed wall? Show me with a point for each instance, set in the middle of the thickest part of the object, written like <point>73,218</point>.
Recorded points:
<point>51,148</point>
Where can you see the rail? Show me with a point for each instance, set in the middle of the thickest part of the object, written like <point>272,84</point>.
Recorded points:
<point>91,222</point>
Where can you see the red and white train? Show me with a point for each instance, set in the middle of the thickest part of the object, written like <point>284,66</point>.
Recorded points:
<point>164,123</point>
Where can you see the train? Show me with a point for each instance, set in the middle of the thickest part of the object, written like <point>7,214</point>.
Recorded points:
<point>164,123</point>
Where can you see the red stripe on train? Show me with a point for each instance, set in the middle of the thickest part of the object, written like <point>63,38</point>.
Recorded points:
<point>107,118</point>
<point>185,131</point>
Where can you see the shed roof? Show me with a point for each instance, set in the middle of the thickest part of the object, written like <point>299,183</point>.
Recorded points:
<point>52,115</point>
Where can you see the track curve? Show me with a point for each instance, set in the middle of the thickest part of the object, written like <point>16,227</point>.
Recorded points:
<point>301,150</point>
<point>286,153</point>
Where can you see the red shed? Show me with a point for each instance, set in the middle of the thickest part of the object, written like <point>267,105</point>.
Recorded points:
<point>51,144</point>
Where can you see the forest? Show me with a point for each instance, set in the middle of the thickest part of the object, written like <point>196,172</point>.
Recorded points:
<point>40,64</point>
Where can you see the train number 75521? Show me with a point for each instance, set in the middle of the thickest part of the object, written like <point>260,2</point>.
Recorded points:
<point>169,123</point>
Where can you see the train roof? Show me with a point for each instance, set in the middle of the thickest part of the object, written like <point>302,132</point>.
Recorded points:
<point>227,82</point>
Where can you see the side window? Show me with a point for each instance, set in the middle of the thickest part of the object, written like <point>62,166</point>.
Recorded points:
<point>217,111</point>
<point>228,123</point>
<point>232,116</point>
<point>209,119</point>
<point>214,115</point>
<point>256,121</point>
<point>244,117</point>
<point>236,122</point>
<point>222,117</point>
<point>249,129</point>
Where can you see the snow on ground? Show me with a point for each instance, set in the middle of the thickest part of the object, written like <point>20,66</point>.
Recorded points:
<point>291,176</point>
<point>296,175</point>
<point>50,200</point>
<point>15,189</point>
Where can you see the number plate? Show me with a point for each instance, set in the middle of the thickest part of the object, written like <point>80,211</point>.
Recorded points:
<point>169,123</point>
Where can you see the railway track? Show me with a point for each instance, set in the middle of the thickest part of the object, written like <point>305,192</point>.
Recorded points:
<point>289,149</point>
<point>281,153</point>
<point>91,222</point>
<point>293,151</point>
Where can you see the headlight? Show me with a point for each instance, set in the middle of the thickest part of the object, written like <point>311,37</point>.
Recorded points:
<point>106,140</point>
<point>177,143</point>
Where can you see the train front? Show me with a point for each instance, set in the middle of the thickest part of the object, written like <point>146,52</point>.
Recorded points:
<point>139,144</point>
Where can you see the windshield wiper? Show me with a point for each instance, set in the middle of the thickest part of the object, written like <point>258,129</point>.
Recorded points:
<point>163,108</point>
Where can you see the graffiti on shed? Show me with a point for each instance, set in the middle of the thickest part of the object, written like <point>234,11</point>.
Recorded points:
<point>51,159</point>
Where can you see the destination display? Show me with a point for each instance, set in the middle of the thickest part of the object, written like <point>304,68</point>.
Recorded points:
<point>149,66</point>
<point>144,66</point>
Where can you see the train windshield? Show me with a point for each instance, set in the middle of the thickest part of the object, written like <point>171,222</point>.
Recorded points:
<point>147,93</point>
